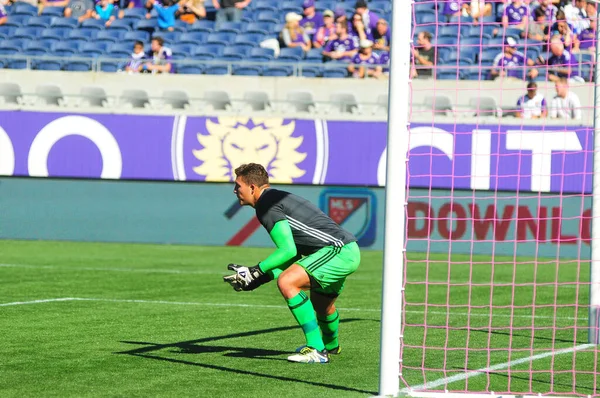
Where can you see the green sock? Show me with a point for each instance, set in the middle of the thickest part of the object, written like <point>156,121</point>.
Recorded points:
<point>330,327</point>
<point>304,312</point>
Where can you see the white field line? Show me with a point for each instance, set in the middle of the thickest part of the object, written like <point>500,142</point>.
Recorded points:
<point>207,272</point>
<point>113,269</point>
<point>281,307</point>
<point>447,380</point>
<point>35,301</point>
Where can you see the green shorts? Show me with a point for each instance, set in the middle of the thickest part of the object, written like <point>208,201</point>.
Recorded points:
<point>330,266</point>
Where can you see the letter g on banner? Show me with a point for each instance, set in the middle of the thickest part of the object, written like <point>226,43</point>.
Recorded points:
<point>420,137</point>
<point>7,154</point>
<point>112,163</point>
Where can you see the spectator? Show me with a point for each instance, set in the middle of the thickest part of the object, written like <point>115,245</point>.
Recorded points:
<point>515,15</point>
<point>566,104</point>
<point>159,57</point>
<point>548,9</point>
<point>358,28</point>
<point>532,105</point>
<point>561,64</point>
<point>454,8</point>
<point>312,20</point>
<point>587,38</point>
<point>104,11</point>
<point>292,34</point>
<point>3,14</point>
<point>344,47</point>
<point>61,4</point>
<point>563,29</point>
<point>480,9</point>
<point>382,36</point>
<point>136,62</point>
<point>538,29</point>
<point>82,9</point>
<point>512,63</point>
<point>365,63</point>
<point>229,10</point>
<point>576,15</point>
<point>425,56</point>
<point>369,18</point>
<point>166,13</point>
<point>191,11</point>
<point>325,32</point>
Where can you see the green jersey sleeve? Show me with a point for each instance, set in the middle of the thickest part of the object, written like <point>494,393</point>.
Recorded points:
<point>281,234</point>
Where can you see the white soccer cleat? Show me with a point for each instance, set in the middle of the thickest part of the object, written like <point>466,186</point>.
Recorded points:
<point>310,355</point>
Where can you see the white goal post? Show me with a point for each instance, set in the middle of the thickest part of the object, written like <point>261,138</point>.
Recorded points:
<point>394,257</point>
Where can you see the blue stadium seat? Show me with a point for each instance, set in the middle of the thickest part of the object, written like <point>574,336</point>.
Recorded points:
<point>335,70</point>
<point>247,70</point>
<point>109,66</point>
<point>265,5</point>
<point>278,71</point>
<point>146,25</point>
<point>268,16</point>
<point>428,19</point>
<point>203,57</point>
<point>253,39</point>
<point>473,41</point>
<point>446,42</point>
<point>131,15</point>
<point>488,54</point>
<point>427,15</point>
<point>231,57</point>
<point>263,28</point>
<point>182,49</point>
<point>424,6</point>
<point>53,11</point>
<point>110,35</point>
<point>67,45</point>
<point>60,22</point>
<point>48,65</point>
<point>216,70</point>
<point>119,25</point>
<point>78,66</point>
<point>21,8</point>
<point>268,53</point>
<point>236,50</point>
<point>384,7</point>
<point>92,23</point>
<point>137,35</point>
<point>232,27</point>
<point>460,19</point>
<point>291,52</point>
<point>64,52</point>
<point>83,34</point>
<point>35,46</point>
<point>40,22</point>
<point>248,16</point>
<point>16,64</point>
<point>93,49</point>
<point>48,42</point>
<point>290,6</point>
<point>314,53</point>
<point>190,69</point>
<point>19,43</point>
<point>452,31</point>
<point>57,33</point>
<point>202,26</point>
<point>119,54</point>
<point>26,33</point>
<point>449,74</point>
<point>220,38</point>
<point>213,49</point>
<point>482,30</point>
<point>124,47</point>
<point>311,71</point>
<point>171,36</point>
<point>193,37</point>
<point>9,50</point>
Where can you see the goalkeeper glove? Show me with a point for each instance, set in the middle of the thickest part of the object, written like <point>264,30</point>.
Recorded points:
<point>245,278</point>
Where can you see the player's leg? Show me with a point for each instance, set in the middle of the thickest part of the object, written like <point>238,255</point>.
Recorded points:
<point>292,282</point>
<point>328,319</point>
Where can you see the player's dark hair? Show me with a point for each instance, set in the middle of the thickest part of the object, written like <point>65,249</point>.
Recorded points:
<point>253,173</point>
<point>538,12</point>
<point>138,43</point>
<point>427,35</point>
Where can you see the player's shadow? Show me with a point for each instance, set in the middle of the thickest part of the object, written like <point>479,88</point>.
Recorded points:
<point>199,346</point>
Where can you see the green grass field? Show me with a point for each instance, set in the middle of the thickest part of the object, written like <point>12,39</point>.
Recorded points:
<point>152,320</point>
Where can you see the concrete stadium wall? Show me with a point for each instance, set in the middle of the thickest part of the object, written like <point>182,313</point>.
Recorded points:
<point>506,91</point>
<point>208,214</point>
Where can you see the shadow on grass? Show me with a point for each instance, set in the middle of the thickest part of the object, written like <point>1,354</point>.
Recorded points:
<point>194,347</point>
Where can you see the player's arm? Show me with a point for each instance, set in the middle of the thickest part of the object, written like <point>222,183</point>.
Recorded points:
<point>281,234</point>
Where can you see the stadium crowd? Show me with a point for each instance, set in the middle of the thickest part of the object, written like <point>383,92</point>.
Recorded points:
<point>349,35</point>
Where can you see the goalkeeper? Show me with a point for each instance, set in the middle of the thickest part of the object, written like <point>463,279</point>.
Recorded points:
<point>313,253</point>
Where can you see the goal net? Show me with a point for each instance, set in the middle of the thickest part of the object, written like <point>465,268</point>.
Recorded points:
<point>497,294</point>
